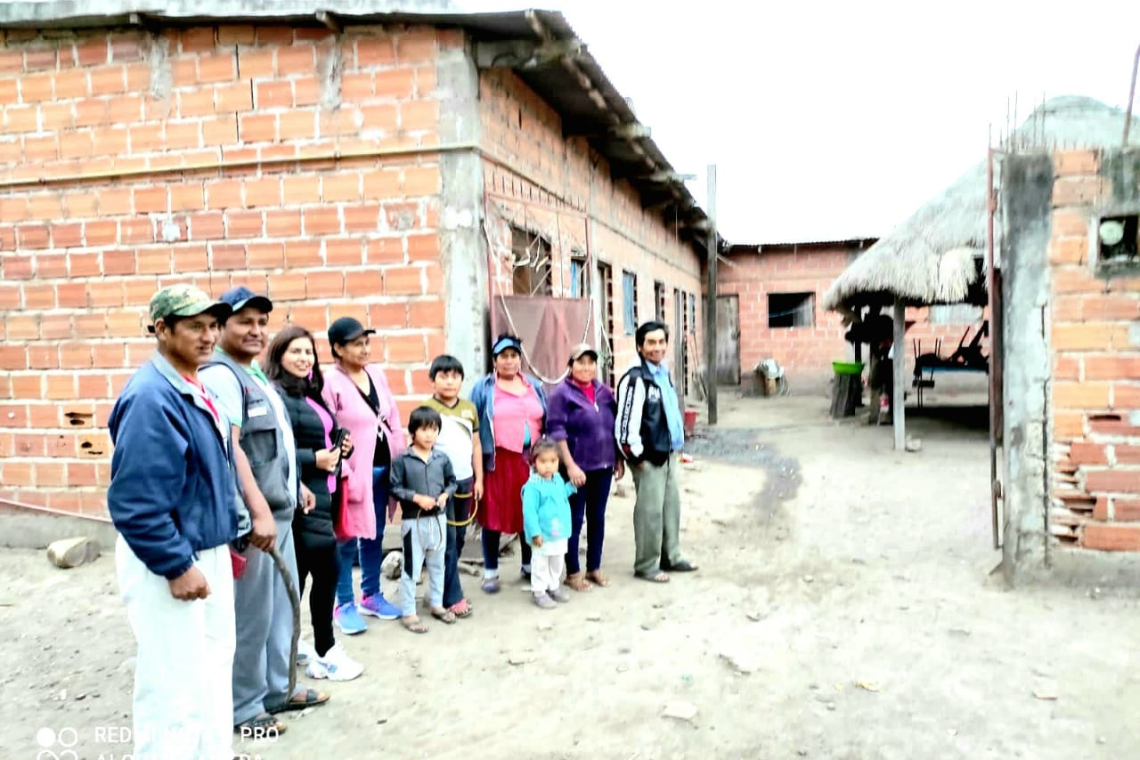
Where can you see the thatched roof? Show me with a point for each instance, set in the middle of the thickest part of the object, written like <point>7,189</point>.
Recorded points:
<point>934,257</point>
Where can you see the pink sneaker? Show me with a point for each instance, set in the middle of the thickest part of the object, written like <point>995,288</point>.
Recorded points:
<point>379,607</point>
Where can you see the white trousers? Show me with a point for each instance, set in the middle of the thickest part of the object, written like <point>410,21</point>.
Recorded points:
<point>546,571</point>
<point>183,702</point>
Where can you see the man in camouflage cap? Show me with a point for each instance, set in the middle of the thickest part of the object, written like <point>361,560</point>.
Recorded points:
<point>173,500</point>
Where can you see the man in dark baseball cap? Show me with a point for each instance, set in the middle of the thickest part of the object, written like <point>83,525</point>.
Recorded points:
<point>242,297</point>
<point>265,459</point>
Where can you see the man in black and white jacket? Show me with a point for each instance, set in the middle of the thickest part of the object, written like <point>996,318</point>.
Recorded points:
<point>650,434</point>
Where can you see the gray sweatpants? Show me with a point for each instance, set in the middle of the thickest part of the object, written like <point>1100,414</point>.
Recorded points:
<point>264,617</point>
<point>657,515</point>
<point>425,538</point>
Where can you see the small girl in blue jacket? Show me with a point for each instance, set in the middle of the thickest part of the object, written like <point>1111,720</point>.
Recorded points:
<point>546,520</point>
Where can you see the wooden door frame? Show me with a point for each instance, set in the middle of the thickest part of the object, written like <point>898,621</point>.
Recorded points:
<point>679,340</point>
<point>736,338</point>
<point>607,320</point>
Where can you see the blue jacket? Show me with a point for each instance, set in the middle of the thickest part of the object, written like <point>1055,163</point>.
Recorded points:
<point>483,397</point>
<point>173,491</point>
<point>546,508</point>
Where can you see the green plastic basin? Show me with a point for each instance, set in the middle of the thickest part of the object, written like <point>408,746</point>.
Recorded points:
<point>847,368</point>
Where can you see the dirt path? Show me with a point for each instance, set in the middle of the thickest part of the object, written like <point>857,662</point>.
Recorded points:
<point>828,561</point>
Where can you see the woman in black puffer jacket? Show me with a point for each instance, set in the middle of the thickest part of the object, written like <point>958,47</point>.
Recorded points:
<point>293,369</point>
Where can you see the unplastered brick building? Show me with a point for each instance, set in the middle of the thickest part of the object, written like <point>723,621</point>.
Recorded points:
<point>771,306</point>
<point>1072,356</point>
<point>417,169</point>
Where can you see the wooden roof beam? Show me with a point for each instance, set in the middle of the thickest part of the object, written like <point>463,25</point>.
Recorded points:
<point>664,176</point>
<point>525,54</point>
<point>700,225</point>
<point>583,81</point>
<point>330,21</point>
<point>662,204</point>
<point>632,131</point>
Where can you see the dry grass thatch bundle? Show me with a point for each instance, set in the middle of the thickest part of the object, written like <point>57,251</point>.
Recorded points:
<point>934,257</point>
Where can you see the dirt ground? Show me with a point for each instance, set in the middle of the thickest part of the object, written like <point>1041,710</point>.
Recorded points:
<point>844,610</point>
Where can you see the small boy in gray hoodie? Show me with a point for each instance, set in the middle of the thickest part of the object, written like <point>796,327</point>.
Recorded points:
<point>422,481</point>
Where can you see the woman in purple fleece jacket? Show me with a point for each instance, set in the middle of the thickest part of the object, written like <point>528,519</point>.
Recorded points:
<point>580,415</point>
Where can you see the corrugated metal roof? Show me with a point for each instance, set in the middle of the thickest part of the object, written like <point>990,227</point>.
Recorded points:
<point>575,86</point>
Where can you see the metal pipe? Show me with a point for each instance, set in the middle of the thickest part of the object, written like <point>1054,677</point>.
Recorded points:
<point>1131,97</point>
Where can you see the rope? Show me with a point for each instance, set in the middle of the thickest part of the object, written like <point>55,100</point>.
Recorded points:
<point>470,517</point>
<point>510,320</point>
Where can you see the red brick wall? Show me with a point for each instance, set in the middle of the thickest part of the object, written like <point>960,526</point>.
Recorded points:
<point>1095,393</point>
<point>129,162</point>
<point>297,162</point>
<point>537,180</point>
<point>806,353</point>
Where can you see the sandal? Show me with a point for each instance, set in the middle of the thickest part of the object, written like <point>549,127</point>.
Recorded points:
<point>684,566</point>
<point>598,578</point>
<point>444,616</point>
<point>308,698</point>
<point>578,582</point>
<point>413,624</point>
<point>653,577</point>
<point>261,725</point>
<point>461,609</point>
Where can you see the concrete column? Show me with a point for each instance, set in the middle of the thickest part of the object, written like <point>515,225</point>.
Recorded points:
<point>1027,187</point>
<point>463,249</point>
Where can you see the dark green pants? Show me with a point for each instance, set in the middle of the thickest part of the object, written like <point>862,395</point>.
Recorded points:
<point>657,515</point>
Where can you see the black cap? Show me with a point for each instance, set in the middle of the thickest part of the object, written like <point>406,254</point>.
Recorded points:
<point>240,297</point>
<point>346,330</point>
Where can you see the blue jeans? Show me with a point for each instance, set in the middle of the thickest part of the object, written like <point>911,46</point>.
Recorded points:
<point>457,511</point>
<point>491,553</point>
<point>370,549</point>
<point>588,504</point>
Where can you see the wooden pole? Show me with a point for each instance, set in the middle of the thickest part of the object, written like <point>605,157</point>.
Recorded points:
<point>859,360</point>
<point>994,301</point>
<point>898,400</point>
<point>710,305</point>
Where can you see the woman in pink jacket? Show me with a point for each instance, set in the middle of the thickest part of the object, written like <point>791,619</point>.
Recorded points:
<point>358,394</point>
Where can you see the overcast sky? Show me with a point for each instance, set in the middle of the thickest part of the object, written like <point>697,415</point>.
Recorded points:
<point>831,120</point>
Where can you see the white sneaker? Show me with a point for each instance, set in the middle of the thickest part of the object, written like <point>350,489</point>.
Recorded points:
<point>336,665</point>
<point>305,653</point>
